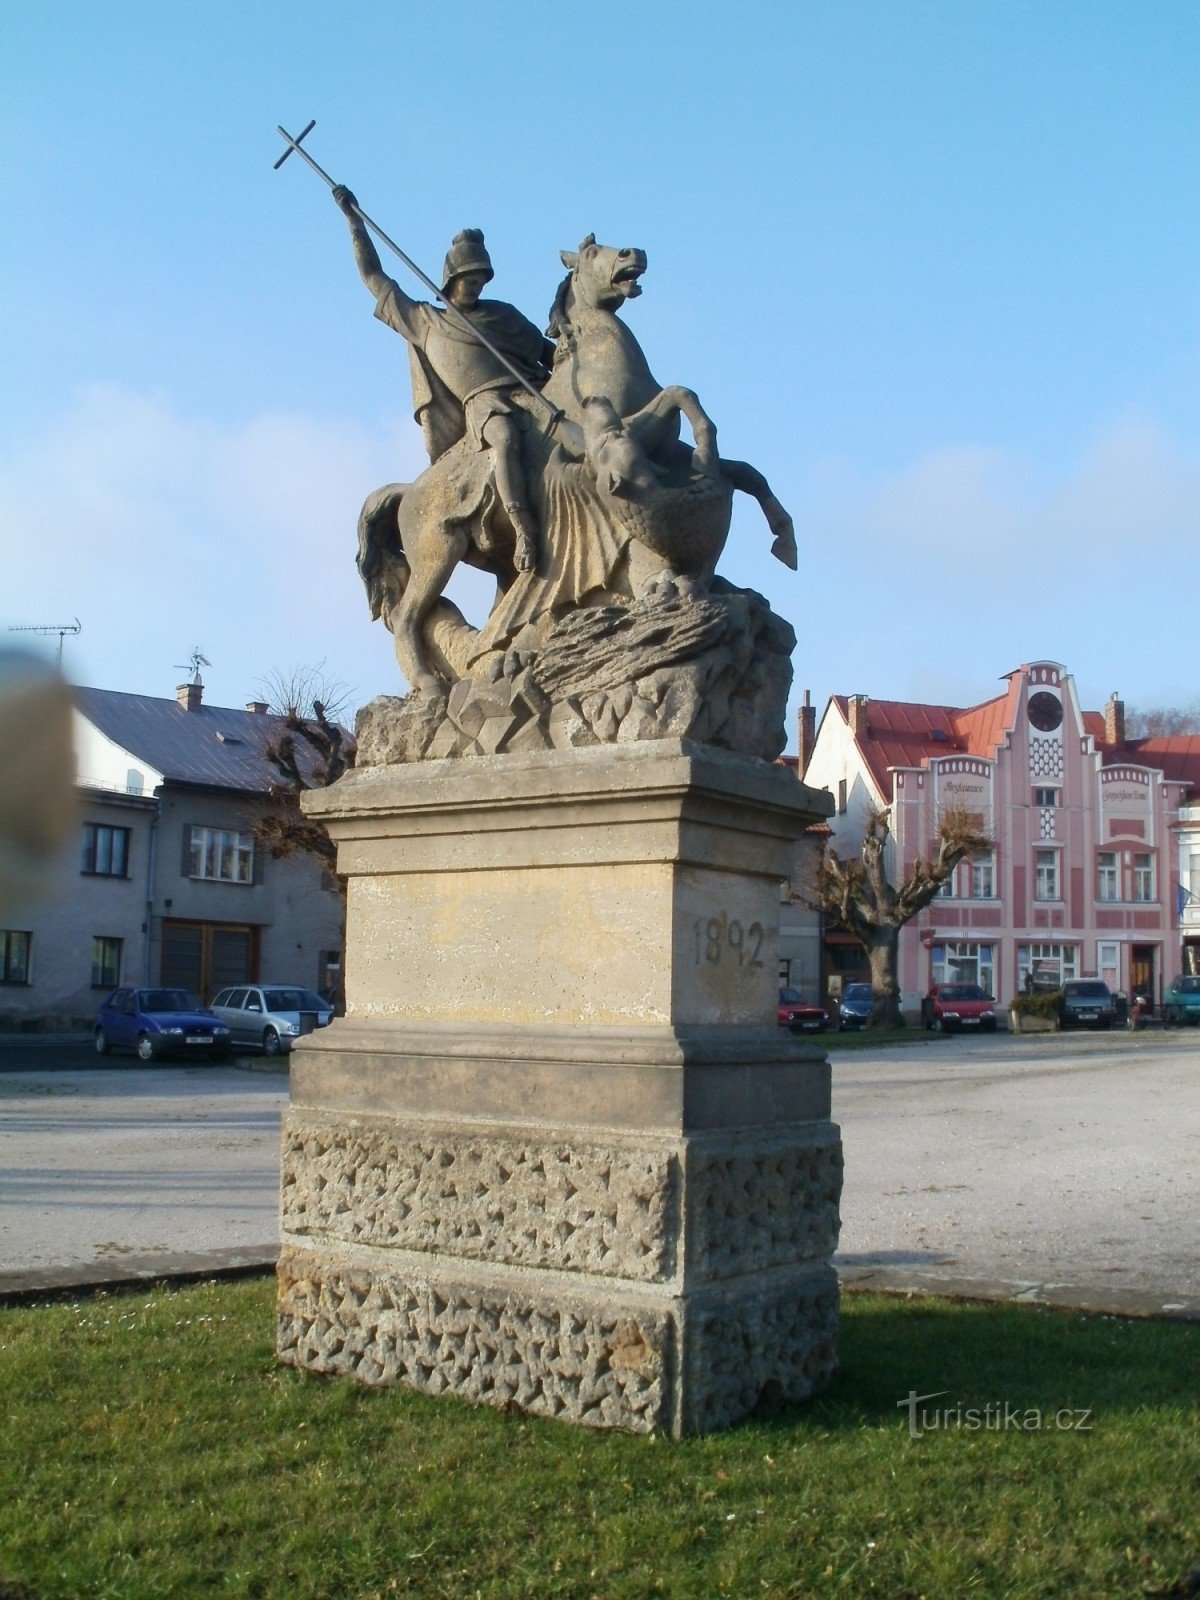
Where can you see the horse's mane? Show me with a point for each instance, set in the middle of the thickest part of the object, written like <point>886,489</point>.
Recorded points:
<point>559,325</point>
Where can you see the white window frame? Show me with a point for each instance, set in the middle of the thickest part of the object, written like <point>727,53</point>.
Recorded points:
<point>1108,961</point>
<point>1108,876</point>
<point>1067,956</point>
<point>1047,874</point>
<point>950,957</point>
<point>983,877</point>
<point>220,855</point>
<point>1143,878</point>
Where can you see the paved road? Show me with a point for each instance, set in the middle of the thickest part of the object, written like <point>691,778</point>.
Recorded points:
<point>1056,1168</point>
<point>123,1169</point>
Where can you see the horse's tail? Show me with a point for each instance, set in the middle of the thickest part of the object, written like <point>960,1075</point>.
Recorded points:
<point>382,564</point>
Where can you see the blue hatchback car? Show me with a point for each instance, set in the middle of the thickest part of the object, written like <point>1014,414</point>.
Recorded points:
<point>159,1022</point>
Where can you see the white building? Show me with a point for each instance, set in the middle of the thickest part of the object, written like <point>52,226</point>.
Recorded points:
<point>165,881</point>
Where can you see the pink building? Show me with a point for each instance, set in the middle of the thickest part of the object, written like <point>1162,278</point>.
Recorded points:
<point>1096,869</point>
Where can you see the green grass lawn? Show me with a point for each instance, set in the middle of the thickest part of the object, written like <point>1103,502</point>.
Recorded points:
<point>152,1446</point>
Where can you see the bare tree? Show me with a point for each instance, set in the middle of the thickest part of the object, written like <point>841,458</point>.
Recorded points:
<point>311,752</point>
<point>855,895</point>
<point>1157,722</point>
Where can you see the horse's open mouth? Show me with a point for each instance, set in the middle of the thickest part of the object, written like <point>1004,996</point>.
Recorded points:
<point>626,279</point>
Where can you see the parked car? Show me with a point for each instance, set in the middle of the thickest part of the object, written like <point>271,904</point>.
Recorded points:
<point>949,1006</point>
<point>854,1008</point>
<point>1086,1002</point>
<point>1181,1003</point>
<point>271,1016</point>
<point>796,1013</point>
<point>159,1022</point>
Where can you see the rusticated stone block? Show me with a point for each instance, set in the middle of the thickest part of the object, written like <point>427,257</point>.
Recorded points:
<point>543,1354</point>
<point>526,1202</point>
<point>756,1204</point>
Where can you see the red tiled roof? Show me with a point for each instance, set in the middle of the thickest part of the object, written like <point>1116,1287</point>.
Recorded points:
<point>904,733</point>
<point>1177,756</point>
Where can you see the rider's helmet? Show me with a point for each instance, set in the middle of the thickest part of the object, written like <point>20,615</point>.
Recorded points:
<point>467,253</point>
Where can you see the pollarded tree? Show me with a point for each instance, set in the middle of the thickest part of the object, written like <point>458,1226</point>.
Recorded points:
<point>855,895</point>
<point>311,752</point>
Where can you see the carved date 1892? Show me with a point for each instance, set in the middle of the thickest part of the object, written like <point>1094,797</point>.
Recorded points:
<point>719,937</point>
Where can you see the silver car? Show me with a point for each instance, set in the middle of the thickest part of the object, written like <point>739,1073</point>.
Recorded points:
<point>271,1015</point>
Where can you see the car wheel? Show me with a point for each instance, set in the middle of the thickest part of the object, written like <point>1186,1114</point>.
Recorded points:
<point>102,1044</point>
<point>270,1043</point>
<point>145,1047</point>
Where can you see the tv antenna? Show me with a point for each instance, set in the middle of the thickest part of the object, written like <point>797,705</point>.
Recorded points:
<point>60,628</point>
<point>194,662</point>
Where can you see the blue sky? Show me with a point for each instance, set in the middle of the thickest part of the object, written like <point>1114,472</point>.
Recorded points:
<point>932,268</point>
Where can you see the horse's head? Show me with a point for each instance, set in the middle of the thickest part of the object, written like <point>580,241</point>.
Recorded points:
<point>599,278</point>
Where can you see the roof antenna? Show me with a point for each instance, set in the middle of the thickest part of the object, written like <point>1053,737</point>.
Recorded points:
<point>194,663</point>
<point>60,628</point>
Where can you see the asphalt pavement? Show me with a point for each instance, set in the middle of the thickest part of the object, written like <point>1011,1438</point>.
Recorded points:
<point>1059,1169</point>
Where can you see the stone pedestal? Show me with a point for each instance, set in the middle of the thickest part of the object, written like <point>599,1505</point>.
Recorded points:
<point>558,1155</point>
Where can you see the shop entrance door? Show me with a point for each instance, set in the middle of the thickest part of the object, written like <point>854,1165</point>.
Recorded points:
<point>1143,972</point>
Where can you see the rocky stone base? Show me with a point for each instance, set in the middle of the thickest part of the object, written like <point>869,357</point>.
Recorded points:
<point>633,1282</point>
<point>712,668</point>
<point>642,1364</point>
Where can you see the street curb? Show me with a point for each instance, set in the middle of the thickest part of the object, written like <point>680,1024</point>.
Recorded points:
<point>989,1291</point>
<point>135,1272</point>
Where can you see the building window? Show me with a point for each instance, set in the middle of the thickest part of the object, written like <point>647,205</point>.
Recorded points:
<point>1108,963</point>
<point>841,797</point>
<point>1194,875</point>
<point>1107,881</point>
<point>1050,965</point>
<point>1143,877</point>
<point>949,889</point>
<point>1046,874</point>
<point>106,962</point>
<point>983,878</point>
<point>1045,797</point>
<point>105,850</point>
<point>221,855</point>
<point>14,956</point>
<point>965,963</point>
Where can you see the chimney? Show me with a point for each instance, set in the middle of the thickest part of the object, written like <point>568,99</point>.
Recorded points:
<point>259,707</point>
<point>858,715</point>
<point>808,733</point>
<point>189,695</point>
<point>1114,720</point>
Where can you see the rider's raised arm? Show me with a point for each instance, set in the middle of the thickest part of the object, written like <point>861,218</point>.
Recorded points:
<point>366,256</point>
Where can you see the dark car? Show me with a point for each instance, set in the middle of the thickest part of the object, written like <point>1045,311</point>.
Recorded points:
<point>798,1014</point>
<point>1086,1002</point>
<point>1181,1003</point>
<point>950,1006</point>
<point>854,1008</point>
<point>159,1022</point>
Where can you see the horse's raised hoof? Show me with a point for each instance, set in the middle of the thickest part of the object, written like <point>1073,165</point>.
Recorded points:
<point>784,549</point>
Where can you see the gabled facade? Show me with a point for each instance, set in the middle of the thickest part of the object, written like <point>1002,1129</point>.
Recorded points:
<point>165,881</point>
<point>1097,838</point>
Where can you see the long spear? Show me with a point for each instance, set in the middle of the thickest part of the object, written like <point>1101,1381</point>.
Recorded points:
<point>463,321</point>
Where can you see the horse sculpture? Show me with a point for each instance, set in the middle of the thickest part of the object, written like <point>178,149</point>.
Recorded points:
<point>619,496</point>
